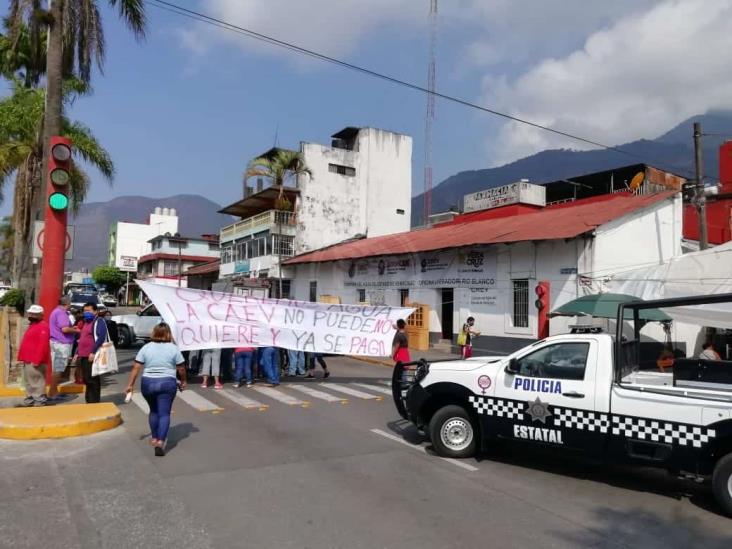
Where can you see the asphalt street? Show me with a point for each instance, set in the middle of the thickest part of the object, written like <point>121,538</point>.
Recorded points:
<point>327,463</point>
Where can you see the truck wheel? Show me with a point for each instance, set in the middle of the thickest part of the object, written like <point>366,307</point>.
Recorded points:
<point>452,432</point>
<point>722,483</point>
<point>124,337</point>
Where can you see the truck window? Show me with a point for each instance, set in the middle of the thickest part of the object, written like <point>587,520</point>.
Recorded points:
<point>559,361</point>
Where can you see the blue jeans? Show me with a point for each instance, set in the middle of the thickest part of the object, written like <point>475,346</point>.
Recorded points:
<point>270,363</point>
<point>297,362</point>
<point>243,363</point>
<point>159,393</point>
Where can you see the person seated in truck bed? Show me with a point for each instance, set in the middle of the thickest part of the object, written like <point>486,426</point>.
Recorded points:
<point>665,360</point>
<point>708,352</point>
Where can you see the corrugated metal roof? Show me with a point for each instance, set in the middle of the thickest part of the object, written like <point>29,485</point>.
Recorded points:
<point>206,268</point>
<point>551,223</point>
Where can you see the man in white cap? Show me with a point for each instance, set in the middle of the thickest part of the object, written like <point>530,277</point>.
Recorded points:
<point>34,354</point>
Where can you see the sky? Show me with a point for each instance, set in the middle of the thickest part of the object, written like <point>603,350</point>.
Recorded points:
<point>184,110</point>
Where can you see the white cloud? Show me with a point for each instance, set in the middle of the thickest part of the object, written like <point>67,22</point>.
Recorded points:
<point>637,78</point>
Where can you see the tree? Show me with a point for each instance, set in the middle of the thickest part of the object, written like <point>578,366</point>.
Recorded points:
<point>111,277</point>
<point>6,247</point>
<point>75,43</point>
<point>280,167</point>
<point>21,119</point>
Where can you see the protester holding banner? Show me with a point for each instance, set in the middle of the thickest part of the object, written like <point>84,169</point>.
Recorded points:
<point>243,359</point>
<point>296,361</point>
<point>400,345</point>
<point>312,357</point>
<point>269,361</point>
<point>159,361</point>
<point>211,366</point>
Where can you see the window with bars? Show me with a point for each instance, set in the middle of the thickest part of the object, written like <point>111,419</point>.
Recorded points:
<point>341,170</point>
<point>313,290</point>
<point>283,245</point>
<point>521,303</point>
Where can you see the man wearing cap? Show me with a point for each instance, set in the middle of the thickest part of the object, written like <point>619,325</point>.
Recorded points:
<point>34,353</point>
<point>63,333</point>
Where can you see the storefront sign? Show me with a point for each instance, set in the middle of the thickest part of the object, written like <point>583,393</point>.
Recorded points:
<point>241,267</point>
<point>466,268</point>
<point>483,296</point>
<point>202,319</point>
<point>127,263</point>
<point>521,192</point>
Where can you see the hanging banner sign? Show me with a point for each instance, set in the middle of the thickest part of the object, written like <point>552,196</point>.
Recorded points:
<point>201,319</point>
<point>464,268</point>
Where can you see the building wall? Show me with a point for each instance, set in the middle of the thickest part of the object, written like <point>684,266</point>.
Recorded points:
<point>335,207</point>
<point>131,239</point>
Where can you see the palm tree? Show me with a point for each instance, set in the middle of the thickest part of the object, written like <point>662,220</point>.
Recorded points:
<point>75,44</point>
<point>21,120</point>
<point>279,168</point>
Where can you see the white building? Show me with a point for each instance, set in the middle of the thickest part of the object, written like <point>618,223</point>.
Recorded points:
<point>360,187</point>
<point>130,241</point>
<point>171,256</point>
<point>487,264</point>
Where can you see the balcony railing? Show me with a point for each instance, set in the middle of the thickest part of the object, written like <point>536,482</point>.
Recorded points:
<point>272,220</point>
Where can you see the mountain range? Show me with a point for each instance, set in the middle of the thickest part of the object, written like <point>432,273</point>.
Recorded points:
<point>197,215</point>
<point>672,151</point>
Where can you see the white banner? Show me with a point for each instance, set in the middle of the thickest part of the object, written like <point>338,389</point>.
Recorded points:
<point>201,319</point>
<point>465,268</point>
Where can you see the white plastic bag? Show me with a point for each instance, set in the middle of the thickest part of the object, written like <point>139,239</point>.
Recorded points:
<point>105,359</point>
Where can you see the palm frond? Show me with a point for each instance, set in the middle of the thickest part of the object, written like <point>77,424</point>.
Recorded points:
<point>79,183</point>
<point>133,13</point>
<point>86,145</point>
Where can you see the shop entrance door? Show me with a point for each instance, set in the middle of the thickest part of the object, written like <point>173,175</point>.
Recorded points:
<point>448,306</point>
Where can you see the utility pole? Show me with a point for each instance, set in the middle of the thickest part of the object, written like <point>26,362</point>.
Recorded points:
<point>699,195</point>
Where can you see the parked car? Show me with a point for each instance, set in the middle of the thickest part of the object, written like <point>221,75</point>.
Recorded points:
<point>139,326</point>
<point>78,300</point>
<point>587,393</point>
<point>109,300</point>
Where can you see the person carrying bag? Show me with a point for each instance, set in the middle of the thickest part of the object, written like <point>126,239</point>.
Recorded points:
<point>105,359</point>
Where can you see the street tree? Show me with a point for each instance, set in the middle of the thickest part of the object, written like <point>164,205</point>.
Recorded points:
<point>21,120</point>
<point>111,277</point>
<point>279,168</point>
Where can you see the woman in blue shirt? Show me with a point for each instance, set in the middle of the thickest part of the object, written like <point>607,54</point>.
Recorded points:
<point>159,361</point>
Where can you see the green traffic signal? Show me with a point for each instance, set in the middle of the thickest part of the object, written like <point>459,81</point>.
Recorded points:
<point>58,201</point>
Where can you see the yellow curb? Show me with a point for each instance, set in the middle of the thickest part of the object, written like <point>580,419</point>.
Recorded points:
<point>69,420</point>
<point>17,390</point>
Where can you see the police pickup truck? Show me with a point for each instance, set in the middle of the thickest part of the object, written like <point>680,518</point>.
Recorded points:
<point>585,392</point>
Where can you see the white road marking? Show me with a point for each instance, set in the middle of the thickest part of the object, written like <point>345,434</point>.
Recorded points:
<point>198,402</point>
<point>138,399</point>
<point>241,400</point>
<point>350,391</point>
<point>387,383</point>
<point>422,449</point>
<point>282,397</point>
<point>317,394</point>
<point>382,390</point>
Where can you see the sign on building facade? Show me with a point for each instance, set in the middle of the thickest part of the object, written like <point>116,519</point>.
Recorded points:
<point>521,192</point>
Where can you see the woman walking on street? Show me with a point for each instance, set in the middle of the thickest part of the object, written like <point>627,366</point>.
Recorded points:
<point>465,339</point>
<point>400,346</point>
<point>159,361</point>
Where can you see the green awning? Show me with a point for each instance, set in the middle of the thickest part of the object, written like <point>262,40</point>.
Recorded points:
<point>606,306</point>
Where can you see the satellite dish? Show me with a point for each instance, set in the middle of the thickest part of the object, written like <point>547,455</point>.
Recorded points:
<point>637,180</point>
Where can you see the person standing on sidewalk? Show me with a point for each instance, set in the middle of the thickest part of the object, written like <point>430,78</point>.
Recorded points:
<point>465,339</point>
<point>63,333</point>
<point>93,334</point>
<point>296,360</point>
<point>400,345</point>
<point>243,358</point>
<point>159,360</point>
<point>35,354</point>
<point>211,366</point>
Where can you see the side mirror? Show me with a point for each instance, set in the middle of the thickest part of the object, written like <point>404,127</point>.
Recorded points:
<point>512,367</point>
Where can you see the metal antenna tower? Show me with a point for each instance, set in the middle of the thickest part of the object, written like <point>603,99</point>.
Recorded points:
<point>430,115</point>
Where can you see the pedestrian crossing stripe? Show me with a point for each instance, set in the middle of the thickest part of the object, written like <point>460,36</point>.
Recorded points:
<point>198,402</point>
<point>243,401</point>
<point>350,391</point>
<point>382,390</point>
<point>280,396</point>
<point>318,394</point>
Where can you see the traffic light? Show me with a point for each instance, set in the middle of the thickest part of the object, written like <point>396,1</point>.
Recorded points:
<point>59,173</point>
<point>542,294</point>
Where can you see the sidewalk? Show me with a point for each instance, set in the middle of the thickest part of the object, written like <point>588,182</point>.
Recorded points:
<point>431,355</point>
<point>60,421</point>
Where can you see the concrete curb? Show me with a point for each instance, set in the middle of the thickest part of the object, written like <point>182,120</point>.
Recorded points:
<point>68,420</point>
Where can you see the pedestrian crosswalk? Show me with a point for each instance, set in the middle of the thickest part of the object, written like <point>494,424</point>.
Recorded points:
<point>260,398</point>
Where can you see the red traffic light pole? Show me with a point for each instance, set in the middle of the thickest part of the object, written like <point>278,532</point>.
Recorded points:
<point>54,230</point>
<point>542,304</point>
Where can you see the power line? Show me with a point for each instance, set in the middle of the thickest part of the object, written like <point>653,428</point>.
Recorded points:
<point>202,17</point>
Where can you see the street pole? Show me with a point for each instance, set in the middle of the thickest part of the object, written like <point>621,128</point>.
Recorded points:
<point>180,272</point>
<point>699,197</point>
<point>127,290</point>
